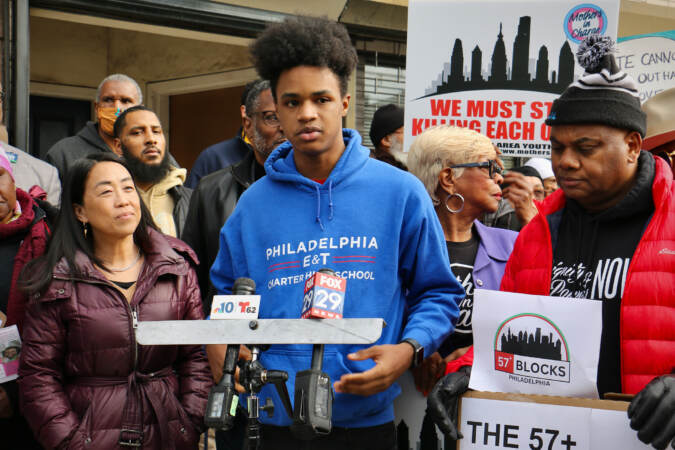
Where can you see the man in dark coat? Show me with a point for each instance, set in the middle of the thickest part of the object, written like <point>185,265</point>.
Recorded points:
<point>225,153</point>
<point>217,194</point>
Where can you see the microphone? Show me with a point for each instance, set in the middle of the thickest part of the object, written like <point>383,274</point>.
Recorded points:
<point>223,399</point>
<point>313,402</point>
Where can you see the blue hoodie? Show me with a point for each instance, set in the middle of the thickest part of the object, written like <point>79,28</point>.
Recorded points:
<point>375,226</point>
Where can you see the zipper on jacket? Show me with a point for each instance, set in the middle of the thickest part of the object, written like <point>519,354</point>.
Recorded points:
<point>134,326</point>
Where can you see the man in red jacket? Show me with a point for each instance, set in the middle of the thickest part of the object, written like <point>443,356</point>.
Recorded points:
<point>608,234</point>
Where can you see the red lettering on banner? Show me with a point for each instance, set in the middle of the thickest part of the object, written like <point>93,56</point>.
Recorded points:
<point>492,109</point>
<point>539,110</point>
<point>474,108</point>
<point>420,124</point>
<point>545,132</point>
<point>416,126</point>
<point>445,107</point>
<point>513,131</point>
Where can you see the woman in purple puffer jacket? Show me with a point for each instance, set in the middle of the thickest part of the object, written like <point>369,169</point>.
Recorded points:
<point>85,383</point>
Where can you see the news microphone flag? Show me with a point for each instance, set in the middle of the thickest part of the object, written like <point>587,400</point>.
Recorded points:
<point>324,296</point>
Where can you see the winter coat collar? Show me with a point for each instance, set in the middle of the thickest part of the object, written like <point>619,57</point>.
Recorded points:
<point>90,134</point>
<point>30,214</point>
<point>165,255</point>
<point>498,249</point>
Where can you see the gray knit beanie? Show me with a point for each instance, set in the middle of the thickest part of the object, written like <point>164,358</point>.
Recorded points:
<point>602,95</point>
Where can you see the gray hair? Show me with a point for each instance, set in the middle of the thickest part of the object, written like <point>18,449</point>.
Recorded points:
<point>440,147</point>
<point>253,97</point>
<point>123,78</point>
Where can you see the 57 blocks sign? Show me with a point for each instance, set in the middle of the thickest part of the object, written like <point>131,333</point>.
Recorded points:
<point>537,357</point>
<point>535,344</point>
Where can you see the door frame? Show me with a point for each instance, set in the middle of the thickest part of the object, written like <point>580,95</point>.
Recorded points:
<point>158,93</point>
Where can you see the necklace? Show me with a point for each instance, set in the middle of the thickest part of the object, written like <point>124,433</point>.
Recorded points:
<point>124,269</point>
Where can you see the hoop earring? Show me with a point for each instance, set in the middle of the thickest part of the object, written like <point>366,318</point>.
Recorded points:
<point>84,229</point>
<point>454,211</point>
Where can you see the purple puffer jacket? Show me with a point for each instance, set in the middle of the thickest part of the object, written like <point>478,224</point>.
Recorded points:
<point>83,377</point>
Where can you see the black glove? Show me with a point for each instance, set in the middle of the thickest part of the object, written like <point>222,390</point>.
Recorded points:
<point>652,412</point>
<point>443,401</point>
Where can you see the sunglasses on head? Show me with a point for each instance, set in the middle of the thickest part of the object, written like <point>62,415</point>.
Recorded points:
<point>492,166</point>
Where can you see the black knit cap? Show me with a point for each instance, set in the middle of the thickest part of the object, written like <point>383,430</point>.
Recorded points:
<point>602,95</point>
<point>386,120</point>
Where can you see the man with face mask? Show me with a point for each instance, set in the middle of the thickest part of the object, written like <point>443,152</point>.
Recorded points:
<point>116,93</point>
<point>386,133</point>
<point>139,138</point>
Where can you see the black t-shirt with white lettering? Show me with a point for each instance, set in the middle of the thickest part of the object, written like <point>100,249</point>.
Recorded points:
<point>462,256</point>
<point>591,259</point>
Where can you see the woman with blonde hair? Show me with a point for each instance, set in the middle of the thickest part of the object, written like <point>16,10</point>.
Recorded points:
<point>461,171</point>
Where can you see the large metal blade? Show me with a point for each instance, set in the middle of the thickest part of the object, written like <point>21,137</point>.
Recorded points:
<point>260,331</point>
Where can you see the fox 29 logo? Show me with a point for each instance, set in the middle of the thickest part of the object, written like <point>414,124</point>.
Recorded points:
<point>324,297</point>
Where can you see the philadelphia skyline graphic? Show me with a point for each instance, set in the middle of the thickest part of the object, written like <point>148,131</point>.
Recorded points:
<point>534,345</point>
<point>524,73</point>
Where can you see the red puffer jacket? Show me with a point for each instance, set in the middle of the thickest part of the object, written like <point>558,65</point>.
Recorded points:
<point>83,377</point>
<point>648,303</point>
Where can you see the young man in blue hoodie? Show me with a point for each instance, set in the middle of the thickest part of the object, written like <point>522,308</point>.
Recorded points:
<point>325,203</point>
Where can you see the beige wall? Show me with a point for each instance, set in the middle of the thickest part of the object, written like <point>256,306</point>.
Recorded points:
<point>75,54</point>
<point>632,23</point>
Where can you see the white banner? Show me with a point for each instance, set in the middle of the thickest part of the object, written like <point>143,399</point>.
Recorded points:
<point>490,423</point>
<point>534,344</point>
<point>496,66</point>
<point>650,60</point>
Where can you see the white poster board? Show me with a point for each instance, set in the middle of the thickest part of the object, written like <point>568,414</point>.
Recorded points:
<point>10,351</point>
<point>496,66</point>
<point>491,420</point>
<point>650,60</point>
<point>534,344</point>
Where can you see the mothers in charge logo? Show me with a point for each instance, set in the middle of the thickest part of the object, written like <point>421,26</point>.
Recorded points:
<point>532,349</point>
<point>584,20</point>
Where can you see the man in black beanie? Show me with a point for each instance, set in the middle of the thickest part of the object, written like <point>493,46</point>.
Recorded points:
<point>608,234</point>
<point>386,133</point>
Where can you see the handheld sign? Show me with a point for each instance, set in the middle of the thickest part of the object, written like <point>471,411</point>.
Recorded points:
<point>324,296</point>
<point>235,307</point>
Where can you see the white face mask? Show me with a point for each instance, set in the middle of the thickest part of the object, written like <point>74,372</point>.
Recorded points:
<point>396,149</point>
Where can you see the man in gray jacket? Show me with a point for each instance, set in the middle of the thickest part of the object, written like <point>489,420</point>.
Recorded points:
<point>115,94</point>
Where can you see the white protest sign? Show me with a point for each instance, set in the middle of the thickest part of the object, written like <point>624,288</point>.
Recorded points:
<point>535,344</point>
<point>496,66</point>
<point>650,60</point>
<point>409,411</point>
<point>235,307</point>
<point>488,422</point>
<point>10,350</point>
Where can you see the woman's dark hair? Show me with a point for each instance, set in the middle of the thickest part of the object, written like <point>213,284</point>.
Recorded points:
<point>68,237</point>
<point>304,41</point>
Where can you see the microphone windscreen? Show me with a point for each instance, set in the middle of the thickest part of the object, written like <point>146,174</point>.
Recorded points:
<point>243,286</point>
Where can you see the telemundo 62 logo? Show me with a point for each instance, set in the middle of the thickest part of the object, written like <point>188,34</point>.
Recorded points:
<point>532,349</point>
<point>584,20</point>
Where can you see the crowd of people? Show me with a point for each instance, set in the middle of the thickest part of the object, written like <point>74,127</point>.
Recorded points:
<point>127,235</point>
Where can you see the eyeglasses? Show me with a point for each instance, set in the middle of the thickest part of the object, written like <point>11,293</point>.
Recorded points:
<point>269,117</point>
<point>492,166</point>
